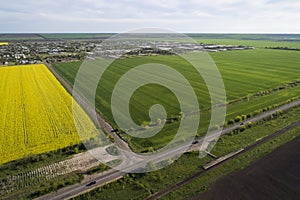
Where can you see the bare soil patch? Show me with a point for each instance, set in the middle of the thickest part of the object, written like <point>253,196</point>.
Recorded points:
<point>274,176</point>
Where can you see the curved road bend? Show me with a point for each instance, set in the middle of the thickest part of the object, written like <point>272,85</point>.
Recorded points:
<point>122,144</point>
<point>101,179</point>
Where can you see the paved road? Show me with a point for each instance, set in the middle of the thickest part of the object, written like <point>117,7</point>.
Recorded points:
<point>106,177</point>
<point>264,115</point>
<point>189,179</point>
<point>90,110</point>
<point>208,138</point>
<point>109,176</point>
<point>112,175</point>
<point>75,190</point>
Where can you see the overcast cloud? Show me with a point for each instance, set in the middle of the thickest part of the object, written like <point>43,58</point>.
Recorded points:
<point>221,16</point>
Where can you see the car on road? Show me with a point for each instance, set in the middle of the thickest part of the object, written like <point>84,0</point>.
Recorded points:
<point>91,183</point>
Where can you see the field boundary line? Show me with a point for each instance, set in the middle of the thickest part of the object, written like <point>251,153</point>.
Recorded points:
<point>89,110</point>
<point>185,181</point>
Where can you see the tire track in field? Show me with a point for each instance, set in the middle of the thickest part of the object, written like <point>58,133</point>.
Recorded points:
<point>80,188</point>
<point>90,111</point>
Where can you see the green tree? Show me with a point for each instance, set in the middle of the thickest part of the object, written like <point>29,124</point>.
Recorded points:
<point>76,150</point>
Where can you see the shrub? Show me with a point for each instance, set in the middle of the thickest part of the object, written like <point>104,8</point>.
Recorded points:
<point>238,119</point>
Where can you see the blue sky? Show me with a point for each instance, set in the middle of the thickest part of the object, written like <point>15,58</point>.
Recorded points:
<point>210,16</point>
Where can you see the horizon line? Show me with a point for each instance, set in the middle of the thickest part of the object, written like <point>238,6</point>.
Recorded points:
<point>234,33</point>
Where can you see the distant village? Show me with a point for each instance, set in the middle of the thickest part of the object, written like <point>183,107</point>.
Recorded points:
<point>138,48</point>
<point>17,53</point>
<point>71,50</point>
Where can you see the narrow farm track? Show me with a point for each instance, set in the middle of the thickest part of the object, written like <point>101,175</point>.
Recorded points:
<point>200,173</point>
<point>90,111</point>
<point>103,178</point>
<point>242,75</point>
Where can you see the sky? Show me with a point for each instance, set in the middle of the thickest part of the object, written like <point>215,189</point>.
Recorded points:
<point>188,16</point>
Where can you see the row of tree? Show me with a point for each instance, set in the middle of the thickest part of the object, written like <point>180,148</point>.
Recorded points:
<point>284,48</point>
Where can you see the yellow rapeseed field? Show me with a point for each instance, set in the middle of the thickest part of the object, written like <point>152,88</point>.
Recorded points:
<point>35,113</point>
<point>3,43</point>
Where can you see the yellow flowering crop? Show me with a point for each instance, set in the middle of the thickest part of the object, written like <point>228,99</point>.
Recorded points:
<point>3,43</point>
<point>35,113</point>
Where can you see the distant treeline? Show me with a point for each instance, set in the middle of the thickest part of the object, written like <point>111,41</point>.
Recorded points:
<point>284,48</point>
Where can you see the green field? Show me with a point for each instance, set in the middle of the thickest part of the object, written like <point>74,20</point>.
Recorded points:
<point>257,40</point>
<point>19,37</point>
<point>202,184</point>
<point>143,185</point>
<point>244,73</point>
<point>254,43</point>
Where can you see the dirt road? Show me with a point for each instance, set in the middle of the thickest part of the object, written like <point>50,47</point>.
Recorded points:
<point>90,110</point>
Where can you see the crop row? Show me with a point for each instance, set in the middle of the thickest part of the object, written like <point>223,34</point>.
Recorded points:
<point>36,113</point>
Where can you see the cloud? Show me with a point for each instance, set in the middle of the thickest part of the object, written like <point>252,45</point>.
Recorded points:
<point>120,16</point>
